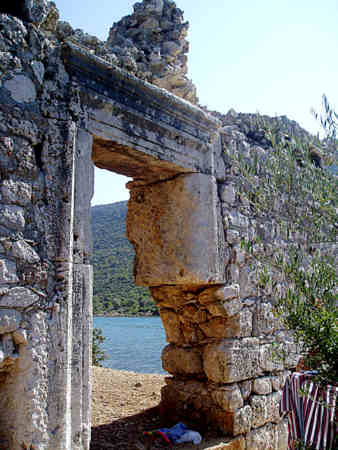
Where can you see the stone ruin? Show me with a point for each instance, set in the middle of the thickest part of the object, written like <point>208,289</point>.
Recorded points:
<point>67,104</point>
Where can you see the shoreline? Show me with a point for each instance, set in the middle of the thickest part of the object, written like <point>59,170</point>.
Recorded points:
<point>126,315</point>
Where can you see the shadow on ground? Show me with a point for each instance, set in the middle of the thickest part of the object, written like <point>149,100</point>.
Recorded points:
<point>128,434</point>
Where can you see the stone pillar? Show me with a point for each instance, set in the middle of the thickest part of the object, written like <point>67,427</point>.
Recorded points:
<point>82,294</point>
<point>36,249</point>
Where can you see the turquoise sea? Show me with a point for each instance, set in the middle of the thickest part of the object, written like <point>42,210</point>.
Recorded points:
<point>132,343</point>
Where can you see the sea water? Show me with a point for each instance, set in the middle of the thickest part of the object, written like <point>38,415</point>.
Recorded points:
<point>132,343</point>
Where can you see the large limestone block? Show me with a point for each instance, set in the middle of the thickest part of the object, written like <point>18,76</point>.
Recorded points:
<point>171,323</point>
<point>9,320</point>
<point>8,273</point>
<point>182,361</point>
<point>12,217</point>
<point>228,398</point>
<point>174,227</point>
<point>19,297</point>
<point>265,408</point>
<point>234,423</point>
<point>264,320</point>
<point>232,360</point>
<point>262,439</point>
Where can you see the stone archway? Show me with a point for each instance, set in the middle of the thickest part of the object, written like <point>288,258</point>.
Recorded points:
<point>185,222</point>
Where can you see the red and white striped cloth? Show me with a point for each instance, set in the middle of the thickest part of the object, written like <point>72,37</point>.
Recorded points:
<point>311,411</point>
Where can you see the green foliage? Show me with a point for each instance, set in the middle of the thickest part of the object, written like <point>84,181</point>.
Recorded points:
<point>291,187</point>
<point>309,309</point>
<point>97,354</point>
<point>114,288</point>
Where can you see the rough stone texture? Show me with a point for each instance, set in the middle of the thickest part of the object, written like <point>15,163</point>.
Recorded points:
<point>262,386</point>
<point>21,89</point>
<point>65,103</point>
<point>265,408</point>
<point>19,297</point>
<point>152,43</point>
<point>8,273</point>
<point>231,360</point>
<point>184,361</point>
<point>174,248</point>
<point>229,398</point>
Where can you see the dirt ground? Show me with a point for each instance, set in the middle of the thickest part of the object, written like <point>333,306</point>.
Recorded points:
<point>124,405</point>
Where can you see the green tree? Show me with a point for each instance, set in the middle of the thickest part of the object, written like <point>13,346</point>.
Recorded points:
<point>98,354</point>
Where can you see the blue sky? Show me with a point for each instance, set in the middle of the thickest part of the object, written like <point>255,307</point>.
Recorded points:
<point>272,56</point>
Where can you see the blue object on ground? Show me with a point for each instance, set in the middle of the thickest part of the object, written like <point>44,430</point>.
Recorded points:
<point>176,432</point>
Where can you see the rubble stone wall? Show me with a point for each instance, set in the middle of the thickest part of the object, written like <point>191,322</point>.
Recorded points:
<point>64,105</point>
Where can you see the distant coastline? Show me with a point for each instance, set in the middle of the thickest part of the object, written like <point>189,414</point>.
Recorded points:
<point>125,315</point>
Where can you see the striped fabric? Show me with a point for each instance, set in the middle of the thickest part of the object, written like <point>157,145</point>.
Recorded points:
<point>311,411</point>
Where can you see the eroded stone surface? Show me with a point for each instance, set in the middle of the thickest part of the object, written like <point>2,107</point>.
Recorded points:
<point>19,297</point>
<point>9,320</point>
<point>8,273</point>
<point>184,361</point>
<point>21,89</point>
<point>187,218</point>
<point>175,248</point>
<point>232,360</point>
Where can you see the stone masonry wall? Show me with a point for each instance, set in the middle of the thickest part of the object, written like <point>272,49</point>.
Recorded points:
<point>220,329</point>
<point>221,339</point>
<point>36,158</point>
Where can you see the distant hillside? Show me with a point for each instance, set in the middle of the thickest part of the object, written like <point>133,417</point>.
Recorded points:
<point>114,289</point>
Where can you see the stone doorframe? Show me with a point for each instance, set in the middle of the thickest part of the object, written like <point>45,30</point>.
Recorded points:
<point>169,148</point>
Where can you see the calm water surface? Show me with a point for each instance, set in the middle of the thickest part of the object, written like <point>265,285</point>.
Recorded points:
<point>132,343</point>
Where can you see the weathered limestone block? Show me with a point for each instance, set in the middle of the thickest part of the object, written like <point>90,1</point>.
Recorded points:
<point>231,360</point>
<point>24,252</point>
<point>172,296</point>
<point>265,408</point>
<point>278,381</point>
<point>239,325</point>
<point>9,320</point>
<point>246,389</point>
<point>18,192</point>
<point>192,333</point>
<point>8,272</point>
<point>233,444</point>
<point>264,321</point>
<point>173,226</point>
<point>262,386</point>
<point>194,313</point>
<point>12,217</point>
<point>182,361</point>
<point>21,89</point>
<point>172,326</point>
<point>20,336</point>
<point>19,297</point>
<point>282,433</point>
<point>273,359</point>
<point>235,423</point>
<point>262,439</point>
<point>228,398</point>
<point>227,292</point>
<point>180,398</point>
<point>228,193</point>
<point>225,309</point>
<point>247,281</point>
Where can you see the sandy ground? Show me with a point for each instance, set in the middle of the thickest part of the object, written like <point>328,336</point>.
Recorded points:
<point>124,405</point>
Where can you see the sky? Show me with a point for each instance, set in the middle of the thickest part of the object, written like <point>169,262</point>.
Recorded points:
<point>276,57</point>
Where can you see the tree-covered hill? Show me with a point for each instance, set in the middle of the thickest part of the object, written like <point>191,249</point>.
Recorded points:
<point>114,288</point>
